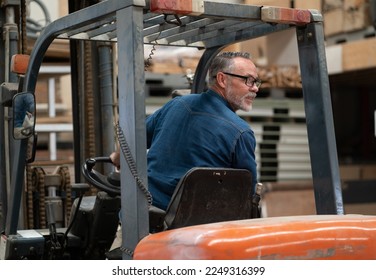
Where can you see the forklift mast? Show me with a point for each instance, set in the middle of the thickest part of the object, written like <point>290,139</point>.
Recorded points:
<point>207,25</point>
<point>12,43</point>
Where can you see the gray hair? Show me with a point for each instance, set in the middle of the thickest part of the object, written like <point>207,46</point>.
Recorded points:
<point>224,62</point>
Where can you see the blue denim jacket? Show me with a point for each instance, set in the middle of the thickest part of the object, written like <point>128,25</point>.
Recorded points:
<point>197,130</point>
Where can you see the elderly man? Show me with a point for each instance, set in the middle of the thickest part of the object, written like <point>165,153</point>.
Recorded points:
<point>203,130</point>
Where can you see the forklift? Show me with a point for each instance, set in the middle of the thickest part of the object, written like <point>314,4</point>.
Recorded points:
<point>181,232</point>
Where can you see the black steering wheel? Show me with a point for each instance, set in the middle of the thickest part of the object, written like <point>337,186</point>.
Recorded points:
<point>109,184</point>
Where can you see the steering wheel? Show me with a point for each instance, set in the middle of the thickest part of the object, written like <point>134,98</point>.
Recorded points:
<point>109,184</point>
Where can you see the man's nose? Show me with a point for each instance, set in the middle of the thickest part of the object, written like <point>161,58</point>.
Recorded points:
<point>254,88</point>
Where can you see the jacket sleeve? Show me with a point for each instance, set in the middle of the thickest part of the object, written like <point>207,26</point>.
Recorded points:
<point>244,156</point>
<point>150,126</point>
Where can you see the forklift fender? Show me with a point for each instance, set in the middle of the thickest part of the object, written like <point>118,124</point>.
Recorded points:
<point>343,237</point>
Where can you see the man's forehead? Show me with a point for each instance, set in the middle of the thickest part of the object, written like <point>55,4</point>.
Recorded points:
<point>241,62</point>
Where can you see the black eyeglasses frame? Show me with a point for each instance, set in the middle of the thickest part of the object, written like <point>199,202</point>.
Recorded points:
<point>249,83</point>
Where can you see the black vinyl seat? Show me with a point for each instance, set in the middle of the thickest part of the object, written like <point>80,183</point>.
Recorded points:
<point>208,195</point>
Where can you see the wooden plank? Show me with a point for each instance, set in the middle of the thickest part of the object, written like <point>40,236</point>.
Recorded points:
<point>349,172</point>
<point>277,3</point>
<point>356,15</point>
<point>281,76</point>
<point>359,54</point>
<point>333,22</point>
<point>257,48</point>
<point>55,120</point>
<point>304,4</point>
<point>368,172</point>
<point>328,5</point>
<point>58,49</point>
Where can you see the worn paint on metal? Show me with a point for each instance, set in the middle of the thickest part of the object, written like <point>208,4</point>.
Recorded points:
<point>282,238</point>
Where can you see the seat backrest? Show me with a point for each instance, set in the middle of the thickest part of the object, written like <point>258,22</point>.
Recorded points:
<point>208,195</point>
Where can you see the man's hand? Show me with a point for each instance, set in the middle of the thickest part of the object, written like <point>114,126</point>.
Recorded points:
<point>115,158</point>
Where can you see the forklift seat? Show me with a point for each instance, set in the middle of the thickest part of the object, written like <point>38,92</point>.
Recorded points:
<point>203,195</point>
<point>208,195</point>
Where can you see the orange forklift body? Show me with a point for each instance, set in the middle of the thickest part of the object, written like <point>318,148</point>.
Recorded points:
<point>284,238</point>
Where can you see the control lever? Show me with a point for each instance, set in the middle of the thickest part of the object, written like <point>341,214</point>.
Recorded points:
<point>54,243</point>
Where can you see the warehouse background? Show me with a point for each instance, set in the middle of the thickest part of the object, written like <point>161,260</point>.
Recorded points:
<point>278,117</point>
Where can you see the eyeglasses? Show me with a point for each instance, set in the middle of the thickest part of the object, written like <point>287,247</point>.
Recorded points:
<point>249,80</point>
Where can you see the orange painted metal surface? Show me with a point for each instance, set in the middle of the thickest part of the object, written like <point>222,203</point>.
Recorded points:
<point>19,63</point>
<point>285,15</point>
<point>171,6</point>
<point>296,237</point>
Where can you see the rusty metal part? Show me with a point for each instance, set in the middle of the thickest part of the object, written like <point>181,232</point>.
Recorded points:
<point>29,197</point>
<point>66,186</point>
<point>40,173</point>
<point>89,101</point>
<point>90,150</point>
<point>23,26</point>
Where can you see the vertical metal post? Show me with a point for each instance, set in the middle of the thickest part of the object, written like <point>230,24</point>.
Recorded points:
<point>320,127</point>
<point>11,36</point>
<point>107,102</point>
<point>3,178</point>
<point>134,211</point>
<point>75,108</point>
<point>15,196</point>
<point>76,101</point>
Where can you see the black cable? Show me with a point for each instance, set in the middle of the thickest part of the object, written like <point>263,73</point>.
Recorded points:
<point>131,162</point>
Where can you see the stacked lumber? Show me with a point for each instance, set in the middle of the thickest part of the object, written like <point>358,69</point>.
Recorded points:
<point>281,76</point>
<point>275,76</point>
<point>345,16</point>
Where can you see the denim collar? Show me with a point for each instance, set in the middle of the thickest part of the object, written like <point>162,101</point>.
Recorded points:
<point>219,97</point>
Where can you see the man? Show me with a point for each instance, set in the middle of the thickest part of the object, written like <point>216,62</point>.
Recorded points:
<point>203,130</point>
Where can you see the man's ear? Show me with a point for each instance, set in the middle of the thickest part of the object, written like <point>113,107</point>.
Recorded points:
<point>221,79</point>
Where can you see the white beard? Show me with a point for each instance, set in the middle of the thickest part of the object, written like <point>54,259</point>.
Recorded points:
<point>240,103</point>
